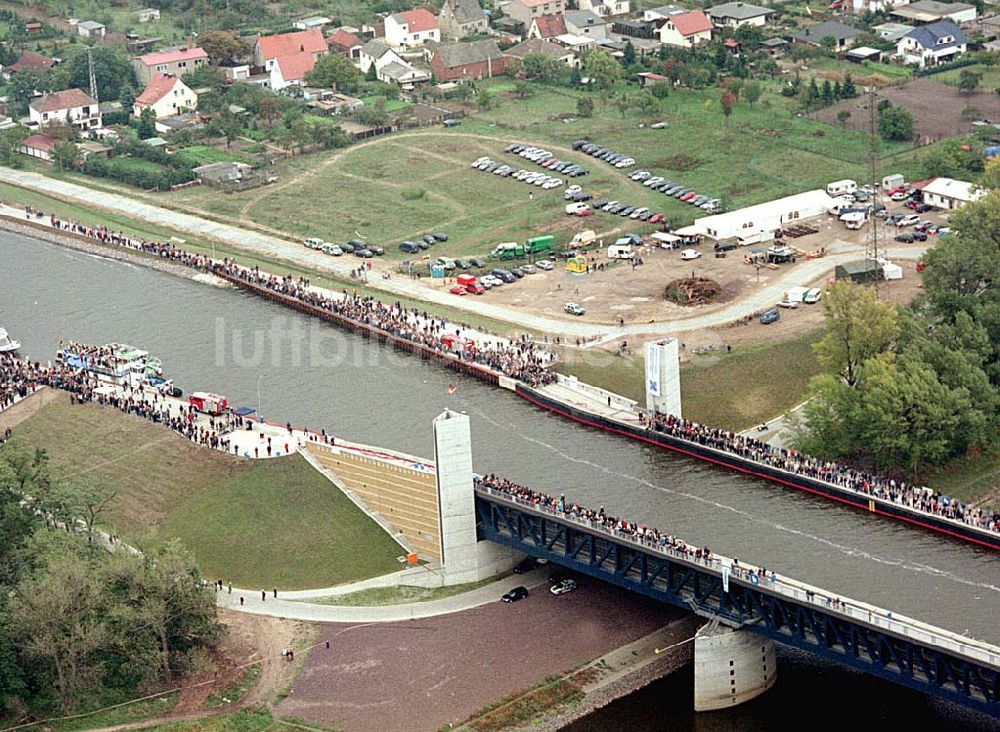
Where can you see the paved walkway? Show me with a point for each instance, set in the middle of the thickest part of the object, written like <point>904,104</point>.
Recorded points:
<point>281,607</point>
<point>293,251</point>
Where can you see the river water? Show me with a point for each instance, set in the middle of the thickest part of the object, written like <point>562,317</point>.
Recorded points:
<point>297,369</point>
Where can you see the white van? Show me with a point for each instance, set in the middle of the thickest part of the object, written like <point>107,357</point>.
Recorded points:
<point>841,187</point>
<point>575,208</point>
<point>620,251</point>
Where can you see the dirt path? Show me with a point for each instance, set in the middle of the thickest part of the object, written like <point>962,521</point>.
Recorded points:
<point>14,415</point>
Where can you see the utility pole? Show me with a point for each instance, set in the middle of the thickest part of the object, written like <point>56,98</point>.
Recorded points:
<point>93,78</point>
<point>875,241</point>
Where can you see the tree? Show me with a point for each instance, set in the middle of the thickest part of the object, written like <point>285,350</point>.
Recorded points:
<point>147,123</point>
<point>647,104</point>
<point>895,123</point>
<point>334,70</point>
<point>585,107</point>
<point>956,157</point>
<point>842,117</point>
<point>23,86</point>
<point>65,155</point>
<point>728,101</point>
<point>622,104</point>
<point>628,55</point>
<point>224,47</point>
<point>749,36</point>
<point>523,89</point>
<point>371,74</point>
<point>829,43</point>
<point>826,93</point>
<point>752,92</point>
<point>269,107</point>
<point>541,67</point>
<point>112,71</point>
<point>486,100</point>
<point>847,88</point>
<point>856,327</point>
<point>813,96</point>
<point>968,80</point>
<point>602,67</point>
<point>660,89</point>
<point>127,99</point>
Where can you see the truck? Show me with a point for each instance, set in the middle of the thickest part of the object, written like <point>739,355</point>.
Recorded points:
<point>539,244</point>
<point>507,250</point>
<point>891,182</point>
<point>807,295</point>
<point>470,283</point>
<point>841,187</point>
<point>620,251</point>
<point>208,403</point>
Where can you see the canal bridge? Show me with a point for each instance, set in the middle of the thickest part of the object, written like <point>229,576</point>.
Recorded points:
<point>857,635</point>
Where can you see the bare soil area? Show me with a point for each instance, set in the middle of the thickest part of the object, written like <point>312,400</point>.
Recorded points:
<point>936,108</point>
<point>426,674</point>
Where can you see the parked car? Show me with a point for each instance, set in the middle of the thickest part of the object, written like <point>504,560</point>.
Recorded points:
<point>770,316</point>
<point>458,290</point>
<point>573,309</point>
<point>545,264</point>
<point>562,587</point>
<point>689,254</point>
<point>528,268</point>
<point>477,262</point>
<point>409,247</point>
<point>463,263</point>
<point>908,220</point>
<point>905,238</point>
<point>786,303</point>
<point>347,247</point>
<point>518,593</point>
<point>640,175</point>
<point>451,122</point>
<point>923,208</point>
<point>440,236</point>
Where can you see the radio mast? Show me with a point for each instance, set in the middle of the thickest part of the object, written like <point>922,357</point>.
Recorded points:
<point>875,241</point>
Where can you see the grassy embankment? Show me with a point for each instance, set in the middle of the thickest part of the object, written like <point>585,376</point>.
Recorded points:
<point>731,390</point>
<point>300,530</point>
<point>377,596</point>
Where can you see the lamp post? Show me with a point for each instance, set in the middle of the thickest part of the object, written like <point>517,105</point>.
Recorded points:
<point>259,416</point>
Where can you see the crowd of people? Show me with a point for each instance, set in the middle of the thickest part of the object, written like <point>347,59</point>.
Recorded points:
<point>599,519</point>
<point>519,359</point>
<point>916,497</point>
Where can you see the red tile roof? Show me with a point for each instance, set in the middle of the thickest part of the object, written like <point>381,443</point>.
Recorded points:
<point>295,66</point>
<point>687,24</point>
<point>343,39</point>
<point>418,21</point>
<point>159,86</point>
<point>172,57</point>
<point>550,26</point>
<point>39,142</point>
<point>31,61</point>
<point>286,44</point>
<point>69,99</point>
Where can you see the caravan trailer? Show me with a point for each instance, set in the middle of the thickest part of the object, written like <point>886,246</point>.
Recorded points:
<point>842,187</point>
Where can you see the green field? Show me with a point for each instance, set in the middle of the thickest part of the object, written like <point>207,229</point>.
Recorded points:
<point>403,185</point>
<point>301,530</point>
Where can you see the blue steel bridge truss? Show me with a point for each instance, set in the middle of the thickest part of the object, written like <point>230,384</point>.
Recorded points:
<point>808,626</point>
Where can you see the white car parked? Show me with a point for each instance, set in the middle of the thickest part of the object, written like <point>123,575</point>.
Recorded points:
<point>689,254</point>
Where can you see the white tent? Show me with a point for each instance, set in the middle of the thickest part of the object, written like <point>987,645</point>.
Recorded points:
<point>892,271</point>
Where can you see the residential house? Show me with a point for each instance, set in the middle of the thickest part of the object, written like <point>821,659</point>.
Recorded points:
<point>931,11</point>
<point>543,47</point>
<point>464,61</point>
<point>461,18</point>
<point>738,14</point>
<point>576,43</point>
<point>90,29</point>
<point>526,11</point>
<point>634,28</point>
<point>686,29</point>
<point>317,21</point>
<point>267,48</point>
<point>30,62</point>
<point>412,28</point>
<point>390,67</point>
<point>547,26</point>
<point>72,106</point>
<point>775,47</point>
<point>843,35</point>
<point>217,174</point>
<point>290,70</point>
<point>166,95</point>
<point>148,15</point>
<point>930,45</point>
<point>31,28</point>
<point>330,102</point>
<point>948,193</point>
<point>345,43</point>
<point>891,32</point>
<point>585,23</point>
<point>38,146</point>
<point>176,62</point>
<point>605,8</point>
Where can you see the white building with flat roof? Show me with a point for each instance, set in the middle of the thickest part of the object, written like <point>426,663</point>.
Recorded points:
<point>949,193</point>
<point>756,223</point>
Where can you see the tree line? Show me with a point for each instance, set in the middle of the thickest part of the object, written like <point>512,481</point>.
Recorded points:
<point>79,623</point>
<point>904,389</point>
